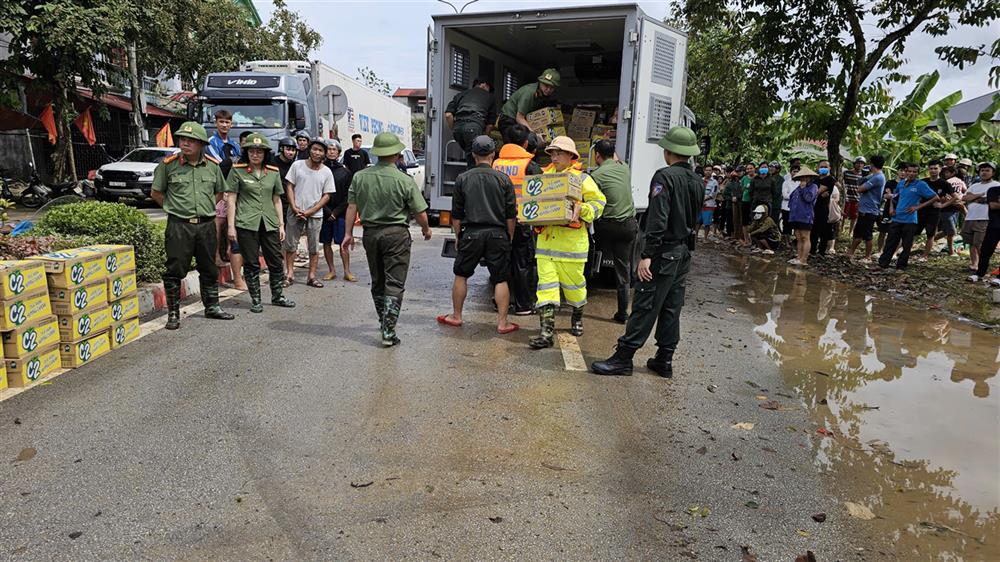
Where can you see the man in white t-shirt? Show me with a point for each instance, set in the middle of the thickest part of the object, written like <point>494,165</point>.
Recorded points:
<point>978,216</point>
<point>308,184</point>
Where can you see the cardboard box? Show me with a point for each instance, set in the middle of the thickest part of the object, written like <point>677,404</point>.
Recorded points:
<point>544,117</point>
<point>77,354</point>
<point>583,117</point>
<point>25,310</point>
<point>72,268</point>
<point>116,257</point>
<point>123,309</point>
<point>3,375</point>
<point>602,132</point>
<point>122,284</point>
<point>83,325</point>
<point>538,212</point>
<point>21,277</point>
<point>553,187</point>
<point>37,366</point>
<point>124,332</point>
<point>27,339</point>
<point>583,147</point>
<point>578,132</point>
<point>80,299</point>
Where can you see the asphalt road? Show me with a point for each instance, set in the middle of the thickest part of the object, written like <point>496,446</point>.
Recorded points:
<point>291,436</point>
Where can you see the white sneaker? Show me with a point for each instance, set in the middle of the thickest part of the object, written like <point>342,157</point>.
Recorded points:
<point>768,252</point>
<point>995,281</point>
<point>974,278</point>
<point>795,261</point>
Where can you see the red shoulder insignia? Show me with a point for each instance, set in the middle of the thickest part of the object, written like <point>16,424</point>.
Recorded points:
<point>240,165</point>
<point>170,158</point>
<point>274,168</point>
<point>210,159</point>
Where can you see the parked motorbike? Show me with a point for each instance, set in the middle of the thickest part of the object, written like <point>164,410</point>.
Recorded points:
<point>36,193</point>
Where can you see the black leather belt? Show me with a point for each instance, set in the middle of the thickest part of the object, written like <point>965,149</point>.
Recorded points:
<point>194,220</point>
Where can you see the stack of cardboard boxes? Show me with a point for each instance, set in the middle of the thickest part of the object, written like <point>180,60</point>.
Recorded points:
<point>29,330</point>
<point>65,309</point>
<point>548,199</point>
<point>547,123</point>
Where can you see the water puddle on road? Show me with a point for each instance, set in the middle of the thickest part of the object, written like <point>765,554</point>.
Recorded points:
<point>911,398</point>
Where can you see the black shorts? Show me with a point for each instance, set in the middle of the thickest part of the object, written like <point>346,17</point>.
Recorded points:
<point>801,225</point>
<point>864,229</point>
<point>929,222</point>
<point>745,208</point>
<point>491,245</point>
<point>786,224</point>
<point>883,224</point>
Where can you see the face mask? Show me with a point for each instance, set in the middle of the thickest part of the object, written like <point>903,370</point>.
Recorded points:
<point>758,217</point>
<point>824,171</point>
<point>762,171</point>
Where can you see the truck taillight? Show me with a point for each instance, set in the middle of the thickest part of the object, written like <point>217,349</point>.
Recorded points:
<point>444,219</point>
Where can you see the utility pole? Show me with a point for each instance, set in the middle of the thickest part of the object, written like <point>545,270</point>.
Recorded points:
<point>137,125</point>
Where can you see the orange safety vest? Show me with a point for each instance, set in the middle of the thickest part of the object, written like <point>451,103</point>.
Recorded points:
<point>513,161</point>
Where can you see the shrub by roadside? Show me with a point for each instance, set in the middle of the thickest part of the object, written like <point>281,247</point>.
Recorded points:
<point>110,223</point>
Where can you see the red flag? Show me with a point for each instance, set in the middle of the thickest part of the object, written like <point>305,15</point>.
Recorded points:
<point>49,120</point>
<point>86,125</point>
<point>164,139</point>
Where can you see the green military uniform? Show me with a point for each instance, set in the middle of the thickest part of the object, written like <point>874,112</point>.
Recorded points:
<point>617,228</point>
<point>474,110</point>
<point>385,199</point>
<point>189,196</point>
<point>675,199</point>
<point>258,225</point>
<point>524,101</point>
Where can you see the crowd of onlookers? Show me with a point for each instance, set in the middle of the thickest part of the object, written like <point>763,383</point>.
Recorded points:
<point>953,204</point>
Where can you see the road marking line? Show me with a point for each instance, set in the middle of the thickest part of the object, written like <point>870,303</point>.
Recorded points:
<point>145,329</point>
<point>572,356</point>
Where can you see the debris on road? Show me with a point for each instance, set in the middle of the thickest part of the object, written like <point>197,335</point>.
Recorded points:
<point>555,467</point>
<point>743,425</point>
<point>26,454</point>
<point>747,555</point>
<point>361,484</point>
<point>859,511</point>
<point>699,511</point>
<point>771,405</point>
<point>807,557</point>
<point>819,517</point>
<point>496,519</point>
<point>75,534</point>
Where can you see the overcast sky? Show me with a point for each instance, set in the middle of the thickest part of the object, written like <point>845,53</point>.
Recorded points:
<point>389,36</point>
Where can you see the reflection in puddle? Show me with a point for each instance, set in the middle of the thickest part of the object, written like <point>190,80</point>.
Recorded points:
<point>912,397</point>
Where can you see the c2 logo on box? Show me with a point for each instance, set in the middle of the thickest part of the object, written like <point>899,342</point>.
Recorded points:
<point>116,311</point>
<point>83,325</point>
<point>111,263</point>
<point>76,274</point>
<point>80,299</point>
<point>34,369</point>
<point>84,351</point>
<point>117,288</point>
<point>530,210</point>
<point>29,339</point>
<point>15,283</point>
<point>18,313</point>
<point>533,187</point>
<point>120,334</point>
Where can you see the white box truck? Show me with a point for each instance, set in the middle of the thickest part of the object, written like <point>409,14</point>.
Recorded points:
<point>276,98</point>
<point>613,55</point>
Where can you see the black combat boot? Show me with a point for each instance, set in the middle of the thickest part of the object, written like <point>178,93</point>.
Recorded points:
<point>252,279</point>
<point>379,307</point>
<point>619,364</point>
<point>389,318</point>
<point>172,288</point>
<point>278,298</point>
<point>547,319</point>
<point>622,315</point>
<point>210,298</point>
<point>662,363</point>
<point>576,322</point>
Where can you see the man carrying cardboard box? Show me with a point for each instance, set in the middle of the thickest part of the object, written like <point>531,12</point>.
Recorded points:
<point>526,99</point>
<point>472,113</point>
<point>562,251</point>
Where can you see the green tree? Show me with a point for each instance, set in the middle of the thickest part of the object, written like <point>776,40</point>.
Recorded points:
<point>62,43</point>
<point>828,52</point>
<point>731,108</point>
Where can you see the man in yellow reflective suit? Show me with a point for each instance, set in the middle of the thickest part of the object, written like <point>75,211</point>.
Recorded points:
<point>561,251</point>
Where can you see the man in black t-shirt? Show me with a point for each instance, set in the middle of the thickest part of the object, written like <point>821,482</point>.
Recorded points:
<point>929,216</point>
<point>354,158</point>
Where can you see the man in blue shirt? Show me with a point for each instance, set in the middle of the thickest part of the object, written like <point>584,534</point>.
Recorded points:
<point>870,201</point>
<point>904,223</point>
<point>220,146</point>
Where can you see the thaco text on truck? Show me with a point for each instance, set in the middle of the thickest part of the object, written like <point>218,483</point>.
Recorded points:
<point>614,56</point>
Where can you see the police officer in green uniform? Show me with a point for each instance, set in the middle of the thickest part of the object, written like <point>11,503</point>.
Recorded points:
<point>675,197</point>
<point>385,197</point>
<point>526,99</point>
<point>472,113</point>
<point>256,220</point>
<point>188,185</point>
<point>617,228</point>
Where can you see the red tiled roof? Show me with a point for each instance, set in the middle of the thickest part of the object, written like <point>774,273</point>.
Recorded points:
<point>410,93</point>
